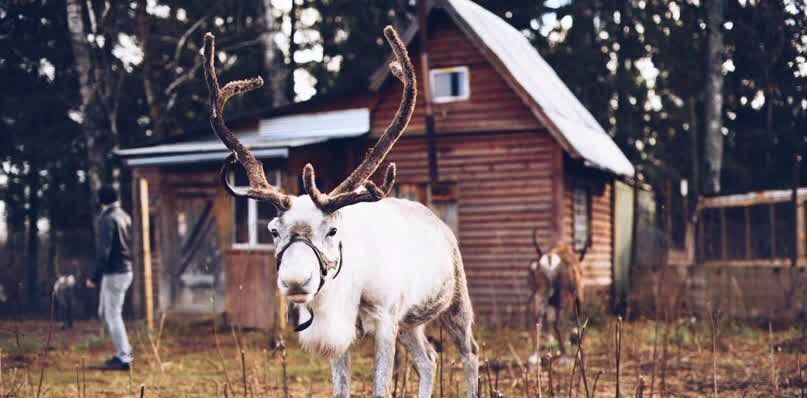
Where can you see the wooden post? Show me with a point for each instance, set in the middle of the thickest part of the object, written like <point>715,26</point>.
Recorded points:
<point>423,22</point>
<point>772,214</point>
<point>794,258</point>
<point>724,247</point>
<point>747,220</point>
<point>146,239</point>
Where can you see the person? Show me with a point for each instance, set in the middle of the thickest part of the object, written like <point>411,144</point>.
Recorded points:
<point>113,273</point>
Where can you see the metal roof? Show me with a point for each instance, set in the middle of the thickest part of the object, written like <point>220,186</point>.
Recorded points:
<point>272,138</point>
<point>559,109</point>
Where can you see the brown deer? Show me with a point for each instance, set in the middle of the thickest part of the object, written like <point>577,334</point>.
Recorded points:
<point>556,281</point>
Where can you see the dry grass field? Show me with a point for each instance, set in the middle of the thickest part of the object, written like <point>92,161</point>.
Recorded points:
<point>679,359</point>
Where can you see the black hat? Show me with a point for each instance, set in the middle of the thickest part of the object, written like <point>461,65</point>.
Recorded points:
<point>107,195</point>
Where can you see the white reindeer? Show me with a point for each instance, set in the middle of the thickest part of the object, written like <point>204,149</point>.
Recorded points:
<point>361,262</point>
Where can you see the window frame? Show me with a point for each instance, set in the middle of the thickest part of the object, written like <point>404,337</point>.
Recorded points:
<point>589,222</point>
<point>252,216</point>
<point>466,85</point>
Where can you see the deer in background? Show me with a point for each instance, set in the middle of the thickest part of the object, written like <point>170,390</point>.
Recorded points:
<point>356,261</point>
<point>556,280</point>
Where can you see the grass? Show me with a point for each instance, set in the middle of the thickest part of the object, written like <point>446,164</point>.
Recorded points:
<point>193,366</point>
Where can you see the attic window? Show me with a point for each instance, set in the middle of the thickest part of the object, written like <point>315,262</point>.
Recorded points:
<point>450,84</point>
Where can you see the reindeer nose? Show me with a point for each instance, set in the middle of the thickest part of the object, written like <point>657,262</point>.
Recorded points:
<point>297,269</point>
<point>293,288</point>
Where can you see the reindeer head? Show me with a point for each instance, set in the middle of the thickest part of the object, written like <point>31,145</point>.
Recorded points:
<point>307,229</point>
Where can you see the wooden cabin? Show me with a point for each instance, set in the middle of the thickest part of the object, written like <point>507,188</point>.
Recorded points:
<point>512,150</point>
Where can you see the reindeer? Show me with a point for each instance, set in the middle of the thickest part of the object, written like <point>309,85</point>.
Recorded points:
<point>356,261</point>
<point>556,279</point>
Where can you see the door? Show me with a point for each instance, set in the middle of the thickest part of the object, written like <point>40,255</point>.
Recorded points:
<point>196,271</point>
<point>623,241</point>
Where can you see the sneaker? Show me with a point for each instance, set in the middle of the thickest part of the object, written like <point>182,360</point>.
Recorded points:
<point>115,363</point>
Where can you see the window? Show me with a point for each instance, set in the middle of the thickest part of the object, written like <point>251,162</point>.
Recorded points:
<point>581,227</point>
<point>441,200</point>
<point>251,217</point>
<point>450,84</point>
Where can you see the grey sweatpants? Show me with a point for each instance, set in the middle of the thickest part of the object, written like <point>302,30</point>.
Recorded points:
<point>110,308</point>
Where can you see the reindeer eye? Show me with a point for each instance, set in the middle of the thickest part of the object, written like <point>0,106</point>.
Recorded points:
<point>332,232</point>
<point>274,233</point>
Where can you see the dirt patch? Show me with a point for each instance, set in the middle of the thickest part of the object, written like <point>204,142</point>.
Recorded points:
<point>190,360</point>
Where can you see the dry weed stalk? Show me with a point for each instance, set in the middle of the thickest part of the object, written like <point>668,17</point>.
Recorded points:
<point>594,385</point>
<point>142,390</point>
<point>640,388</point>
<point>618,338</point>
<point>284,367</point>
<point>83,379</point>
<point>665,343</point>
<point>244,373</point>
<point>551,375</point>
<point>657,310</point>
<point>160,330</point>
<point>538,355</point>
<point>526,378</point>
<point>44,356</point>
<point>218,343</point>
<point>801,376</point>
<point>713,324</point>
<point>78,382</point>
<point>774,373</point>
<point>490,379</point>
<point>155,351</point>
<point>441,364</point>
<point>581,354</point>
<point>572,374</point>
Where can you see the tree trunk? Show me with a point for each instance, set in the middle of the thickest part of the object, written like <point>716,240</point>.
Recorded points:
<point>292,50</point>
<point>713,113</point>
<point>32,247</point>
<point>150,92</point>
<point>276,71</point>
<point>92,115</point>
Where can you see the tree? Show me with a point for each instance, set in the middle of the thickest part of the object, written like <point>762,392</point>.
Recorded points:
<point>38,139</point>
<point>99,82</point>
<point>273,58</point>
<point>713,143</point>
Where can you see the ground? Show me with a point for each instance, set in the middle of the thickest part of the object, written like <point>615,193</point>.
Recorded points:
<point>187,361</point>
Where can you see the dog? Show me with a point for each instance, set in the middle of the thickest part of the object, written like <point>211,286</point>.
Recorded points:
<point>63,293</point>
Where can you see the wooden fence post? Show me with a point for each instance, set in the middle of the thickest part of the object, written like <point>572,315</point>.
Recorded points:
<point>146,241</point>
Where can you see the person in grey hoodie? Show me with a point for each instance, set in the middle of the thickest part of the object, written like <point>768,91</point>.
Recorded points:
<point>113,272</point>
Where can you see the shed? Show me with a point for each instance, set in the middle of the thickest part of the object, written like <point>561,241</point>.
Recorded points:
<point>742,254</point>
<point>512,148</point>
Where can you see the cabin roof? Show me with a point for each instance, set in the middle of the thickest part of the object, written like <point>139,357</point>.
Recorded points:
<point>536,83</point>
<point>271,138</point>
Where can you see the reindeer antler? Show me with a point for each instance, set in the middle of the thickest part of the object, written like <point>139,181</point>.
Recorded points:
<point>535,242</point>
<point>259,187</point>
<point>346,193</point>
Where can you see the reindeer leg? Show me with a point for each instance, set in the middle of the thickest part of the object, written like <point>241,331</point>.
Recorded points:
<point>340,371</point>
<point>385,336</point>
<point>425,358</point>
<point>558,326</point>
<point>458,320</point>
